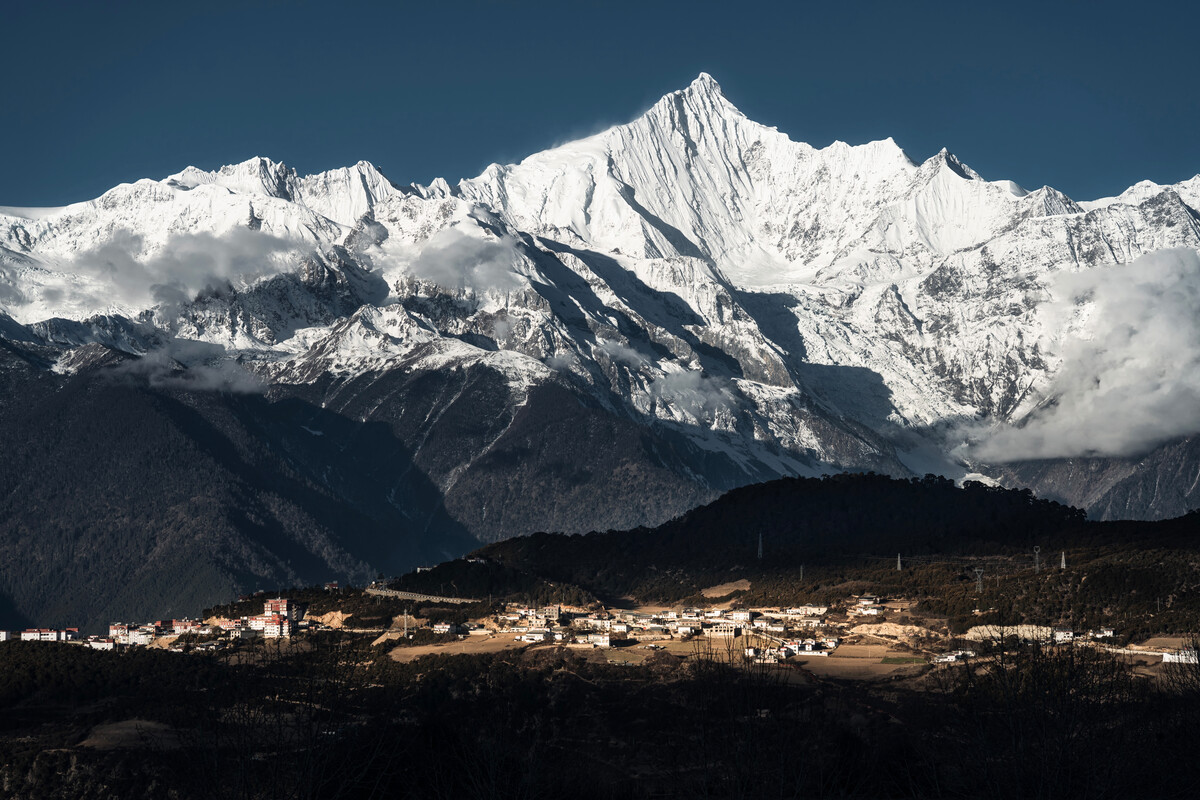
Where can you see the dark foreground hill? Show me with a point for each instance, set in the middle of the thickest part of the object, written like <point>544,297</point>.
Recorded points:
<point>804,520</point>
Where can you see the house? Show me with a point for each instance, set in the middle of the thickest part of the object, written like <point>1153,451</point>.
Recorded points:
<point>97,643</point>
<point>49,635</point>
<point>807,611</point>
<point>740,614</point>
<point>1062,635</point>
<point>599,639</point>
<point>281,606</point>
<point>277,626</point>
<point>182,626</point>
<point>723,630</point>
<point>332,586</point>
<point>445,628</point>
<point>141,636</point>
<point>1102,633</point>
<point>650,633</point>
<point>5,636</point>
<point>536,635</point>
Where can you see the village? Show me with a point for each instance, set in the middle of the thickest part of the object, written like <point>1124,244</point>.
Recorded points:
<point>280,618</point>
<point>877,636</point>
<point>856,638</point>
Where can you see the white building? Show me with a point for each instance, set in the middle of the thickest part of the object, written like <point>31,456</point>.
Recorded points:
<point>143,635</point>
<point>807,611</point>
<point>723,630</point>
<point>1182,657</point>
<point>49,635</point>
<point>278,626</point>
<point>536,635</point>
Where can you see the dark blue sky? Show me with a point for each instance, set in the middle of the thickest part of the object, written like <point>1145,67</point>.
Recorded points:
<point>1087,97</point>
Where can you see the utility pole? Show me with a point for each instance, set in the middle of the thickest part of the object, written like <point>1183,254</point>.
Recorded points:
<point>760,545</point>
<point>897,562</point>
<point>1037,561</point>
<point>802,573</point>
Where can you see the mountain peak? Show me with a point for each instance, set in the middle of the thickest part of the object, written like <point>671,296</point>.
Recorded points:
<point>700,102</point>
<point>257,175</point>
<point>951,162</point>
<point>705,84</point>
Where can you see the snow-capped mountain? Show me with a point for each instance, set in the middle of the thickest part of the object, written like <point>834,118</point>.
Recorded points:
<point>614,329</point>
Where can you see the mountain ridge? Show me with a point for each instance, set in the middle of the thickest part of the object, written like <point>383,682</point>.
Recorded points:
<point>723,304</point>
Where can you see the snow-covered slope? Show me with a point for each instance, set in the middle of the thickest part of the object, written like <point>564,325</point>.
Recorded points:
<point>769,307</point>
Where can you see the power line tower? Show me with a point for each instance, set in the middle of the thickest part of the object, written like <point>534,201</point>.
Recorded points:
<point>898,569</point>
<point>979,580</point>
<point>1037,559</point>
<point>1063,564</point>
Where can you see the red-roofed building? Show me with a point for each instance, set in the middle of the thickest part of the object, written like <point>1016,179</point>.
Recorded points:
<point>281,606</point>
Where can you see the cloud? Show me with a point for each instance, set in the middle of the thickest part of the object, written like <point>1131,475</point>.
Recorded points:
<point>560,362</point>
<point>1130,374</point>
<point>186,264</point>
<point>692,392</point>
<point>454,260</point>
<point>192,366</point>
<point>622,353</point>
<point>10,294</point>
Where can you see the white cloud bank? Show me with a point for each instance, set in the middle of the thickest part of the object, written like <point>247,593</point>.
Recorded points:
<point>693,392</point>
<point>186,264</point>
<point>192,366</point>
<point>1130,376</point>
<point>455,260</point>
